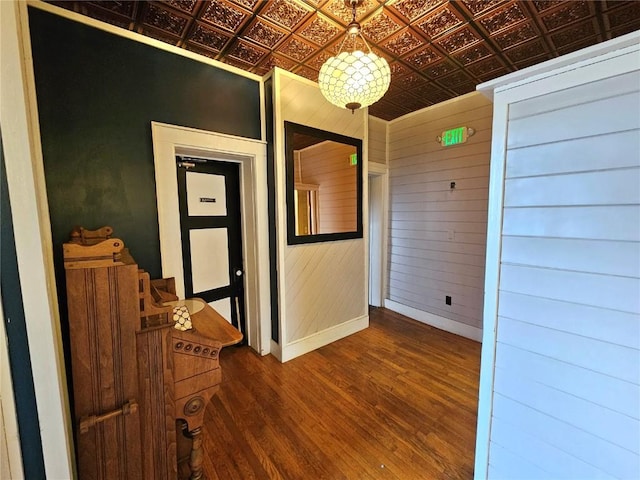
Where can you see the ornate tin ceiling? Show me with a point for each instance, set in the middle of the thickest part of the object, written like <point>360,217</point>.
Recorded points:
<point>437,49</point>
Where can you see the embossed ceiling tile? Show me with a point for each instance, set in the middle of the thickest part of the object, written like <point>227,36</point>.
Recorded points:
<point>108,17</point>
<point>459,39</point>
<point>279,61</point>
<point>433,93</point>
<point>407,100</point>
<point>628,28</point>
<point>480,6</point>
<point>201,51</point>
<point>439,22</point>
<point>386,110</point>
<point>628,13</point>
<point>165,20</point>
<point>296,49</point>
<point>287,13</point>
<point>575,33</point>
<point>409,82</point>
<point>584,43</point>
<point>380,26</point>
<point>121,8</point>
<point>503,18</point>
<point>515,36</point>
<point>209,37</point>
<point>565,14</point>
<point>491,75</point>
<point>485,67</point>
<point>414,9</point>
<point>308,73</point>
<point>454,79</point>
<point>319,30</point>
<point>224,15</point>
<point>398,69</point>
<point>246,52</point>
<point>317,61</point>
<point>473,54</point>
<point>161,35</point>
<point>542,5</point>
<point>402,43</point>
<point>263,33</point>
<point>338,10</point>
<point>186,6</point>
<point>530,50</point>
<point>440,69</point>
<point>464,88</point>
<point>422,58</point>
<point>249,4</point>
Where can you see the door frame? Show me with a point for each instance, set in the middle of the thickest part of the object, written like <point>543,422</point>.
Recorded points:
<point>378,231</point>
<point>170,141</point>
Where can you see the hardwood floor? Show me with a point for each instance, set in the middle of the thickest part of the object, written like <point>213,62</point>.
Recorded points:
<point>396,401</point>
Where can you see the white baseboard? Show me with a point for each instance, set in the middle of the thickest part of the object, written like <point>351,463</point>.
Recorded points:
<point>437,321</point>
<point>320,339</point>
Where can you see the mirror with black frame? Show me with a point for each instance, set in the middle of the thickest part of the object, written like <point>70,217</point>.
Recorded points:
<point>324,185</point>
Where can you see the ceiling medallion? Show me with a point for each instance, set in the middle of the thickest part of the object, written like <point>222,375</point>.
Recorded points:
<point>354,79</point>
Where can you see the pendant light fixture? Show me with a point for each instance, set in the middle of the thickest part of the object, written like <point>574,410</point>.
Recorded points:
<point>354,79</point>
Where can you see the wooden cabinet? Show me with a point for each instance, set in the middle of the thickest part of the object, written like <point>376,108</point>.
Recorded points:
<point>133,373</point>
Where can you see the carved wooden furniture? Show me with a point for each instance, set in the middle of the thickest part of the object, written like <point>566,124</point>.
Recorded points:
<point>134,374</point>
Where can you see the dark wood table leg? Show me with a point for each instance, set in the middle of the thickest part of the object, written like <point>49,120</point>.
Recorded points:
<point>196,458</point>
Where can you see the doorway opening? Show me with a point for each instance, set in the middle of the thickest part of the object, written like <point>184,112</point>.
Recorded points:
<point>378,187</point>
<point>249,156</point>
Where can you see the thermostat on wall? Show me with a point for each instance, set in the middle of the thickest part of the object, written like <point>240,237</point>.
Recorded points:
<point>455,136</point>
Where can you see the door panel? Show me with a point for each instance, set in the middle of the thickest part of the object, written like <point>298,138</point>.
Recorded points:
<point>209,259</point>
<point>206,194</point>
<point>210,226</point>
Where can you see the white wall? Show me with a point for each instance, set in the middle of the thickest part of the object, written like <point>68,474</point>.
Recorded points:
<point>438,234</point>
<point>322,287</point>
<point>561,397</point>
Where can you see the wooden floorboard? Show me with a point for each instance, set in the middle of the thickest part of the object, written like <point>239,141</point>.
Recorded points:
<point>395,401</point>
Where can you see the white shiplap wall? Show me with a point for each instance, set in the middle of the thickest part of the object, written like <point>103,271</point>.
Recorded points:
<point>566,376</point>
<point>322,286</point>
<point>438,235</point>
<point>377,140</point>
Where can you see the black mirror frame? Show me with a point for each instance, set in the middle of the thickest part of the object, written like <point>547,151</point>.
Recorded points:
<point>290,129</point>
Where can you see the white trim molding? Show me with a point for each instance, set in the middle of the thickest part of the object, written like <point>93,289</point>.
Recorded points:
<point>437,321</point>
<point>32,230</point>
<point>325,337</point>
<point>169,141</point>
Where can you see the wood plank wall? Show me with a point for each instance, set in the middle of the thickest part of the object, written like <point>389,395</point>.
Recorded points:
<point>323,285</point>
<point>437,235</point>
<point>328,166</point>
<point>567,374</point>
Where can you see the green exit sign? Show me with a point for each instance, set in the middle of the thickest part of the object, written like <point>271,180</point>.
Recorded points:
<point>353,159</point>
<point>454,136</point>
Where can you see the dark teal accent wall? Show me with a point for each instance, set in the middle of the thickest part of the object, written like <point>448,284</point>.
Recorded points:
<point>97,95</point>
<point>18,343</point>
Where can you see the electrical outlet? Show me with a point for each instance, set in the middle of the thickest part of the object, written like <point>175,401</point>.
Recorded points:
<point>447,300</point>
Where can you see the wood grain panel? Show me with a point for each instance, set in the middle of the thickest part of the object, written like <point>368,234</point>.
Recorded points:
<point>396,401</point>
